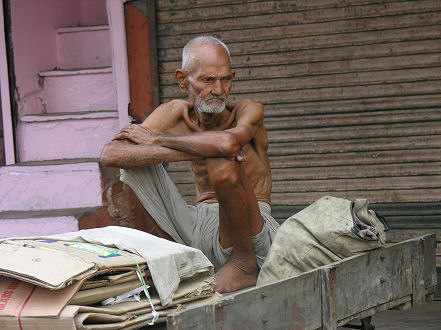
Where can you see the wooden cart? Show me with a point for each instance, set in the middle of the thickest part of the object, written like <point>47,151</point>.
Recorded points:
<point>400,274</point>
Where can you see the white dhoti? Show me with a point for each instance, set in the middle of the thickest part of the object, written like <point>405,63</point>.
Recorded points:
<point>195,226</point>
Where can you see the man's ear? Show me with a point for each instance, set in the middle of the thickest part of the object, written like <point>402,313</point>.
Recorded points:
<point>181,77</point>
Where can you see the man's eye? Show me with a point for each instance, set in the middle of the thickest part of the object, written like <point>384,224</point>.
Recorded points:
<point>227,78</point>
<point>208,80</point>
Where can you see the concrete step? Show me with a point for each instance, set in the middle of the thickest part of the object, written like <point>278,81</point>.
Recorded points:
<point>83,47</point>
<point>65,135</point>
<point>37,226</point>
<point>78,90</point>
<point>49,191</point>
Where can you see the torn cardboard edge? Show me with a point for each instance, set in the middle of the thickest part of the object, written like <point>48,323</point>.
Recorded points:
<point>34,261</point>
<point>168,262</point>
<point>123,315</point>
<point>22,298</point>
<point>75,317</point>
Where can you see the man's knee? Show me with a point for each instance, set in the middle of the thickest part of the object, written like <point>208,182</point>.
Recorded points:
<point>224,173</point>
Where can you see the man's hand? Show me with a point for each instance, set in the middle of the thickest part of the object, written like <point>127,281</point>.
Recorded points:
<point>240,157</point>
<point>137,134</point>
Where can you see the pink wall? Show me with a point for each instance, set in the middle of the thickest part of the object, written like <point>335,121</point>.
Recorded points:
<point>2,140</point>
<point>33,32</point>
<point>34,39</point>
<point>37,227</point>
<point>93,12</point>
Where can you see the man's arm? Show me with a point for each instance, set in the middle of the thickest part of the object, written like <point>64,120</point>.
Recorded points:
<point>126,150</point>
<point>226,143</point>
<point>124,154</point>
<point>137,146</point>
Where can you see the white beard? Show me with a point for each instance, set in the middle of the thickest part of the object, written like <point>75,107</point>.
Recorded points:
<point>202,106</point>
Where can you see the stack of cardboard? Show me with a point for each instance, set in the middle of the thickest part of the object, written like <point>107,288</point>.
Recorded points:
<point>52,284</point>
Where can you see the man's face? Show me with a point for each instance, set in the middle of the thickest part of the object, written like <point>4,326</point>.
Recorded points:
<point>210,81</point>
<point>211,104</point>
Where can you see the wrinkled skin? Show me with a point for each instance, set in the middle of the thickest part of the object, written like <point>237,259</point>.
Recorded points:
<point>227,148</point>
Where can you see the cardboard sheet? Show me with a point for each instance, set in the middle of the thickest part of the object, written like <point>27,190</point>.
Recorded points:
<point>92,296</point>
<point>168,262</point>
<point>55,264</point>
<point>18,297</point>
<point>125,315</point>
<point>108,279</point>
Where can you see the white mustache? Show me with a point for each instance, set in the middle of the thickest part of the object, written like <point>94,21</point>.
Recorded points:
<point>221,98</point>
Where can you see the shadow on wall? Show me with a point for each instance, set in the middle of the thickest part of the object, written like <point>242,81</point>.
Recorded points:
<point>2,140</point>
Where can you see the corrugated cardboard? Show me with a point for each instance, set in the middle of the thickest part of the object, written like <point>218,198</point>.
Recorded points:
<point>168,262</point>
<point>92,296</point>
<point>25,299</point>
<point>60,269</point>
<point>84,317</point>
<point>55,264</point>
<point>108,279</point>
<point>124,315</point>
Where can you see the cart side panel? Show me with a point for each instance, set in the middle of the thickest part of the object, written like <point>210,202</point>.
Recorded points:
<point>430,275</point>
<point>355,287</point>
<point>196,318</point>
<point>372,279</point>
<point>294,303</point>
<point>424,268</point>
<point>291,304</point>
<point>329,297</point>
<point>418,288</point>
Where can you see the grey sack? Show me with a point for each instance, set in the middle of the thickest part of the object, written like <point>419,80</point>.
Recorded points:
<point>328,230</point>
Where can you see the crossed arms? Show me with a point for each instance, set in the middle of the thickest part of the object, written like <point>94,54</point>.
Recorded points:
<point>165,136</point>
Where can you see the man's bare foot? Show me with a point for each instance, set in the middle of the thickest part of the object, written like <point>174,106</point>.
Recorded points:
<point>235,275</point>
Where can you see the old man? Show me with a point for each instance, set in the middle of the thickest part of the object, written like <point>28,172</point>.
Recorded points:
<point>227,146</point>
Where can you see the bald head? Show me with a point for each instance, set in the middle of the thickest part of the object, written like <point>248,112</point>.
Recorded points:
<point>189,58</point>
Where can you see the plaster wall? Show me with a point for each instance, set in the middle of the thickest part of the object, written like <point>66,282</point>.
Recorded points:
<point>34,26</point>
<point>2,140</point>
<point>50,187</point>
<point>37,226</point>
<point>34,39</point>
<point>47,199</point>
<point>93,12</point>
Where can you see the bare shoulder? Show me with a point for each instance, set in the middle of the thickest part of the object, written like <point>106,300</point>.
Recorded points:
<point>168,118</point>
<point>249,111</point>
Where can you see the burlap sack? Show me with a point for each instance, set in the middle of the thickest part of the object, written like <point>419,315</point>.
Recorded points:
<point>322,233</point>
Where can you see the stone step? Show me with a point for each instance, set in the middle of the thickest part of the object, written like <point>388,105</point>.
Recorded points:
<point>83,47</point>
<point>37,226</point>
<point>49,191</point>
<point>78,90</point>
<point>65,135</point>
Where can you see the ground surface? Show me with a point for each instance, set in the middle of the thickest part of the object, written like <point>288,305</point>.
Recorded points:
<point>426,317</point>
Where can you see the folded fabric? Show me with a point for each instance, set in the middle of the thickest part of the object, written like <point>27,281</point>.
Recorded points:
<point>168,262</point>
<point>55,264</point>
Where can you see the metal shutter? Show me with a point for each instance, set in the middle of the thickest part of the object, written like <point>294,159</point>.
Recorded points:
<point>351,90</point>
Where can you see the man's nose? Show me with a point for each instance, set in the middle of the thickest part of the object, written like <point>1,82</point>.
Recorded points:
<point>217,88</point>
